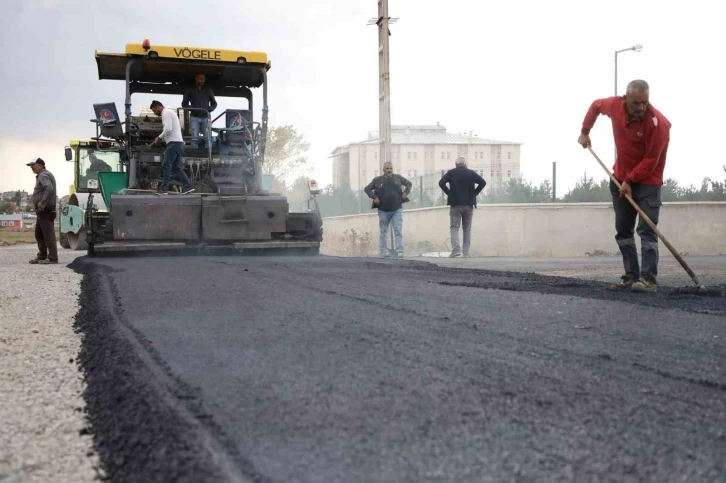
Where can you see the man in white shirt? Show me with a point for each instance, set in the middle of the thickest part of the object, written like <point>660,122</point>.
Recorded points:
<point>174,148</point>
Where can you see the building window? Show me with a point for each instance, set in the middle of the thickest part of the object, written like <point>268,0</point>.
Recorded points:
<point>509,174</point>
<point>448,155</point>
<point>499,156</point>
<point>442,155</point>
<point>375,154</point>
<point>509,155</point>
<point>476,155</point>
<point>409,155</point>
<point>415,173</point>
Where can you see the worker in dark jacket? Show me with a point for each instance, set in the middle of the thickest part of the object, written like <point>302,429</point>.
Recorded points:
<point>44,202</point>
<point>389,192</point>
<point>199,97</point>
<point>464,186</point>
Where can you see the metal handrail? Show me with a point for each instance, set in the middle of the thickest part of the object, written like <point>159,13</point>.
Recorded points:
<point>209,127</point>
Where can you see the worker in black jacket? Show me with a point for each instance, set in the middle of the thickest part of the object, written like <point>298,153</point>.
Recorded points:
<point>464,186</point>
<point>199,97</point>
<point>388,193</point>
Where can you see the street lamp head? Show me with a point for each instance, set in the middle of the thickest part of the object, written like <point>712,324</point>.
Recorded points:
<point>637,47</point>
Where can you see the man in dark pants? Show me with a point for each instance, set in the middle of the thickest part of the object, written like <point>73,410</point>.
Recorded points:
<point>44,202</point>
<point>464,186</point>
<point>199,97</point>
<point>172,164</point>
<point>642,135</point>
<point>389,192</point>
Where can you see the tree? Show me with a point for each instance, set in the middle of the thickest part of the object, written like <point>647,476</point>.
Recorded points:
<point>17,198</point>
<point>341,201</point>
<point>286,154</point>
<point>587,190</point>
<point>7,207</point>
<point>670,191</point>
<point>517,190</point>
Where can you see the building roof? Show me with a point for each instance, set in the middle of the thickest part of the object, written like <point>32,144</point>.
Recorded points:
<point>421,134</point>
<point>18,217</point>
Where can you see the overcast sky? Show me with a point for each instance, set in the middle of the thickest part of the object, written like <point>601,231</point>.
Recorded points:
<point>522,71</point>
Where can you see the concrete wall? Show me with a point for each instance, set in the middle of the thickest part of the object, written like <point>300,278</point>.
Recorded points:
<point>535,230</point>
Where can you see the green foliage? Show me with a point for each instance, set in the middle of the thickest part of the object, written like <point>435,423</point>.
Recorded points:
<point>286,154</point>
<point>587,190</point>
<point>7,207</point>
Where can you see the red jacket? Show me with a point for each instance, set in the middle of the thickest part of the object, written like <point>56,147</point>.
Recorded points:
<point>641,146</point>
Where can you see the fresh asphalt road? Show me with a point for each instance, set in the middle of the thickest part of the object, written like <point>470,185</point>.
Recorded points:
<point>326,369</point>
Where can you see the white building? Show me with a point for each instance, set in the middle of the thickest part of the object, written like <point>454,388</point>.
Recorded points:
<point>425,153</point>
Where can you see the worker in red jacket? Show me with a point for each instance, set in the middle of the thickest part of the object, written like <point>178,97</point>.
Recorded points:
<point>641,135</point>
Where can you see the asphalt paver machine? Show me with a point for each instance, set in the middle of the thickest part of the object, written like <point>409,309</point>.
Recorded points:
<point>231,208</point>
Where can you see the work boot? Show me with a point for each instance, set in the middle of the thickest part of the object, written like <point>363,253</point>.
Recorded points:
<point>625,284</point>
<point>455,254</point>
<point>47,261</point>
<point>644,286</point>
<point>36,260</point>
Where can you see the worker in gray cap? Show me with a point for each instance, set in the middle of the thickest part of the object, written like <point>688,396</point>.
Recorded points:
<point>464,186</point>
<point>44,202</point>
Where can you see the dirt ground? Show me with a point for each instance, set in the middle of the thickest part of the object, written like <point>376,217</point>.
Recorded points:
<point>8,238</point>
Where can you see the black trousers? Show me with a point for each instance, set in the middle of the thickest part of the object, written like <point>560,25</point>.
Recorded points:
<point>45,235</point>
<point>647,197</point>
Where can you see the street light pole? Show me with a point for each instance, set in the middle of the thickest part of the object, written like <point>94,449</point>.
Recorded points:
<point>634,48</point>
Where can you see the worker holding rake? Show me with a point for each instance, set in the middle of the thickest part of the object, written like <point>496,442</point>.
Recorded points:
<point>641,136</point>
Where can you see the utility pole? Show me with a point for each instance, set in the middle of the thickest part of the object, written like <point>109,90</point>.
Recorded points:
<point>384,86</point>
<point>384,81</point>
<point>554,181</point>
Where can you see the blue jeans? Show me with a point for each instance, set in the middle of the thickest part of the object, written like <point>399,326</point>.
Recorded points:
<point>199,125</point>
<point>384,219</point>
<point>172,166</point>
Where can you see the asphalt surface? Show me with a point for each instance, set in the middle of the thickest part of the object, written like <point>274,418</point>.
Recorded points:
<point>324,369</point>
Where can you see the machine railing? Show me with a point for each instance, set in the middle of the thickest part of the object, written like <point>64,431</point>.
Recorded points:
<point>245,127</point>
<point>208,133</point>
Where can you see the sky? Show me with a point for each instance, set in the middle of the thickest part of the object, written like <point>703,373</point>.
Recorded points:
<point>523,71</point>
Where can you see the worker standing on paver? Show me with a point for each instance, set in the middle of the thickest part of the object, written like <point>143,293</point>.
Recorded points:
<point>464,186</point>
<point>199,97</point>
<point>172,163</point>
<point>642,135</point>
<point>44,202</point>
<point>389,191</point>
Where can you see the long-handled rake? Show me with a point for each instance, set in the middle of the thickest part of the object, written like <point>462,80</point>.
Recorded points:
<point>699,289</point>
